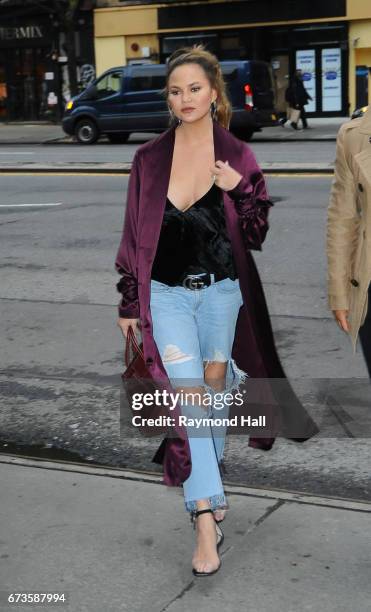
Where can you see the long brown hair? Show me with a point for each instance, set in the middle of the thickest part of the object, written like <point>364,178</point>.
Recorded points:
<point>209,62</point>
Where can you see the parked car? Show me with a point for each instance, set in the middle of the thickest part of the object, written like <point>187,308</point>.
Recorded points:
<point>129,99</point>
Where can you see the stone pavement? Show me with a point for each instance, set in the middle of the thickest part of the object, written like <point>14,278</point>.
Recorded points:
<point>115,540</point>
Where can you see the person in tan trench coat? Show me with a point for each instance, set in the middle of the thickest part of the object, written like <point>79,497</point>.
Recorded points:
<point>349,229</point>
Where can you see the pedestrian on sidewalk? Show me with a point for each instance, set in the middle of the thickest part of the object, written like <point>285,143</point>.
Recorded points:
<point>197,204</point>
<point>296,97</point>
<point>348,233</point>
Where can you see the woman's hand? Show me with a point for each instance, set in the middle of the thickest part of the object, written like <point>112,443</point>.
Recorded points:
<point>341,317</point>
<point>225,177</point>
<point>124,325</point>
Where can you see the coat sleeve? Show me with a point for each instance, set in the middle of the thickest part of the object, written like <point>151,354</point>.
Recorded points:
<point>252,203</point>
<point>342,229</point>
<point>125,263</point>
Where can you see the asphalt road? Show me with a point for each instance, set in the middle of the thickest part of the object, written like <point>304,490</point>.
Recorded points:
<point>62,352</point>
<point>314,151</point>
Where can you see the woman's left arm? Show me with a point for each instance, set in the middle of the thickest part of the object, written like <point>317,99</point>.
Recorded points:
<point>250,198</point>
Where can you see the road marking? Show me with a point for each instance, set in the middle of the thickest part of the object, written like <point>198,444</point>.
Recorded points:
<point>40,204</point>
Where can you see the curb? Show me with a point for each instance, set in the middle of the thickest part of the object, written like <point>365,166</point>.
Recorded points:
<point>29,143</point>
<point>124,169</point>
<point>156,478</point>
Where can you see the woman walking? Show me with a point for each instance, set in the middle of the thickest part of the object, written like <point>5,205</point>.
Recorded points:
<point>197,203</point>
<point>296,97</point>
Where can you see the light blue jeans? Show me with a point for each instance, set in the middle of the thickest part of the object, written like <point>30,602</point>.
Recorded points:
<point>191,327</point>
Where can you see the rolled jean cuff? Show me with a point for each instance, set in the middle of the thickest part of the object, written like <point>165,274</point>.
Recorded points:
<point>216,501</point>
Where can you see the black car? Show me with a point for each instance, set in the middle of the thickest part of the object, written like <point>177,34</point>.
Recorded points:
<point>129,99</point>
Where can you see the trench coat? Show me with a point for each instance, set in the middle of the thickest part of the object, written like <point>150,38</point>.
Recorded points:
<point>349,223</point>
<point>246,213</point>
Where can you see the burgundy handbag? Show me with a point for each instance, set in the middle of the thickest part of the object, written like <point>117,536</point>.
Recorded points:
<point>137,380</point>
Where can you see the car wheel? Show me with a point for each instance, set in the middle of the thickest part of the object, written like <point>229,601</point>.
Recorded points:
<point>86,131</point>
<point>118,138</point>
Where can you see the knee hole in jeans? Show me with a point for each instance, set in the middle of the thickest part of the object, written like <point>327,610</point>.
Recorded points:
<point>215,373</point>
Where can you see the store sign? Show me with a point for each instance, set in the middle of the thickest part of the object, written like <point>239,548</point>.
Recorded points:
<point>331,79</point>
<point>21,33</point>
<point>306,62</point>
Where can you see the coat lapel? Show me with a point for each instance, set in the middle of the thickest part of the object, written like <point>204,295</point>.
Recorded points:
<point>155,183</point>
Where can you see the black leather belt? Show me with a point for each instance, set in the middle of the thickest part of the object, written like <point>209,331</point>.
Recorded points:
<point>199,281</point>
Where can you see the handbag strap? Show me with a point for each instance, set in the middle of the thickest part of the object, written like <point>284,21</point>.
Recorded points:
<point>131,340</point>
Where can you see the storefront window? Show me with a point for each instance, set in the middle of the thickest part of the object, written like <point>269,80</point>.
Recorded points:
<point>306,62</point>
<point>169,44</point>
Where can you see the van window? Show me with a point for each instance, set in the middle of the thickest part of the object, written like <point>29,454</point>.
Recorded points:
<point>109,84</point>
<point>229,74</point>
<point>144,79</point>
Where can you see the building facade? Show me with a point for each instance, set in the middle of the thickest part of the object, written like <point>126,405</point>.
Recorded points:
<point>34,80</point>
<point>330,41</point>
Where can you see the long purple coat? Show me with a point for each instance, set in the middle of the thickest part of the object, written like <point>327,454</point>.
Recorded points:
<point>246,212</point>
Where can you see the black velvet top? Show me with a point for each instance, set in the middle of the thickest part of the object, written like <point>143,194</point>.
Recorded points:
<point>194,241</point>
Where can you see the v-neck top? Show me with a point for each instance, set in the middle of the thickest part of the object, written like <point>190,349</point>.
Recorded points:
<point>194,241</point>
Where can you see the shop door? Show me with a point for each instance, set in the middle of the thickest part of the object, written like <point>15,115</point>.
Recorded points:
<point>26,70</point>
<point>323,69</point>
<point>280,67</point>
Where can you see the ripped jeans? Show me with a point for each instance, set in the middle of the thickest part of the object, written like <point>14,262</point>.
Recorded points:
<point>191,328</point>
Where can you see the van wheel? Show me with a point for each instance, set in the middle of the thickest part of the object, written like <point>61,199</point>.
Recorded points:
<point>86,131</point>
<point>245,135</point>
<point>118,138</point>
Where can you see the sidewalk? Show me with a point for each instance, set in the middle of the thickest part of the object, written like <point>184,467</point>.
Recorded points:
<point>322,129</point>
<point>50,133</point>
<point>30,133</point>
<point>117,540</point>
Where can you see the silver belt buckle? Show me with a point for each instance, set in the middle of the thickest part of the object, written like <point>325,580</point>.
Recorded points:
<point>193,282</point>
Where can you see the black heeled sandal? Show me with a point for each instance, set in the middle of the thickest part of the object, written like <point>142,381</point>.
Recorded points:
<point>219,540</point>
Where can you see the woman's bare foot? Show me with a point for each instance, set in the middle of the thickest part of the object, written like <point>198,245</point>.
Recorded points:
<point>219,514</point>
<point>205,557</point>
